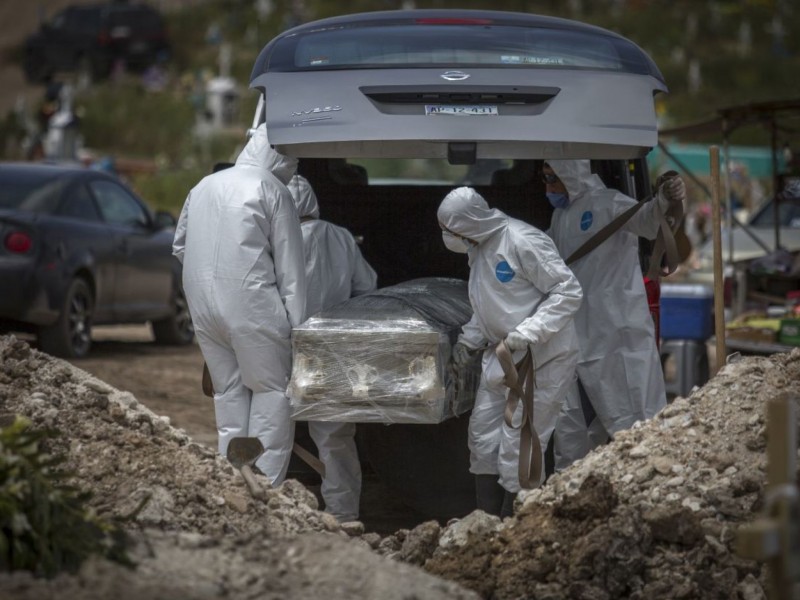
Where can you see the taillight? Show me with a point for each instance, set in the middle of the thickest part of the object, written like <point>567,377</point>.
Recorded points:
<point>18,242</point>
<point>103,38</point>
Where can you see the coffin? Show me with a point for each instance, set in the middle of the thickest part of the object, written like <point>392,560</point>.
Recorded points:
<point>384,357</point>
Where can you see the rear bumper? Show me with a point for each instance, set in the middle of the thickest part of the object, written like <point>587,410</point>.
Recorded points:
<point>24,296</point>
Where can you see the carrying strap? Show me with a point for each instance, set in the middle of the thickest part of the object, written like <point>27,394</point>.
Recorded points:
<point>520,379</point>
<point>664,243</point>
<point>303,454</point>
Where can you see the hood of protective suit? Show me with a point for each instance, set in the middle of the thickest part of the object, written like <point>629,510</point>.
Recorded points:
<point>305,200</point>
<point>465,212</point>
<point>258,153</point>
<point>576,175</point>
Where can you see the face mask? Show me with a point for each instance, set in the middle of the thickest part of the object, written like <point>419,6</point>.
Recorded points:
<point>557,199</point>
<point>455,244</point>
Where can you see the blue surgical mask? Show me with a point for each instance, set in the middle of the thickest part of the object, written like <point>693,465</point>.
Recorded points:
<point>557,199</point>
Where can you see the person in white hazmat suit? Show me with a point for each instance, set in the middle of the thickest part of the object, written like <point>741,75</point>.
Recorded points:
<point>521,292</point>
<point>239,239</point>
<point>619,371</point>
<point>335,271</point>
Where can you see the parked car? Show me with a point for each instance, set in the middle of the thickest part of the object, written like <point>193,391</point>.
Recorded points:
<point>78,248</point>
<point>89,39</point>
<point>388,111</point>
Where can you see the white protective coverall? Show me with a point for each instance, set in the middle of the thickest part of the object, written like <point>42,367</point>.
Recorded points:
<point>335,271</point>
<point>239,239</point>
<point>517,281</point>
<point>619,366</point>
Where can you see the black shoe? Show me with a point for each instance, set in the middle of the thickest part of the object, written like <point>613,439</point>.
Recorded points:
<point>507,509</point>
<point>489,494</point>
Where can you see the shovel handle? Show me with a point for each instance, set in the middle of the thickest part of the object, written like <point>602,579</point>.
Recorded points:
<point>250,479</point>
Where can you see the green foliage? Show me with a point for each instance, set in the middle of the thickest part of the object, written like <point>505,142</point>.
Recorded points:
<point>122,117</point>
<point>167,190</point>
<point>44,525</point>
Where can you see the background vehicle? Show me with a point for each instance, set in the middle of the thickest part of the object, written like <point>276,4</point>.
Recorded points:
<point>478,98</point>
<point>80,249</point>
<point>89,39</point>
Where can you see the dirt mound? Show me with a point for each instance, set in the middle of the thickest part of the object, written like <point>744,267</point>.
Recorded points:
<point>198,532</point>
<point>651,515</point>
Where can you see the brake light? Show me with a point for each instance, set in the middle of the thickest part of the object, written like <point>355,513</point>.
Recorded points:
<point>18,242</point>
<point>452,21</point>
<point>103,38</point>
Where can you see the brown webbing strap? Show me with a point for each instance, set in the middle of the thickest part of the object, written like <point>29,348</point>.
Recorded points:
<point>520,380</point>
<point>303,454</point>
<point>665,245</point>
<point>605,233</point>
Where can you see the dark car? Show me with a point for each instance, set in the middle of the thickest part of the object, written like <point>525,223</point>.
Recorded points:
<point>90,39</point>
<point>78,248</point>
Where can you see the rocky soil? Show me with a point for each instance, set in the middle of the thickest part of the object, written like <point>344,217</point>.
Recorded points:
<point>651,515</point>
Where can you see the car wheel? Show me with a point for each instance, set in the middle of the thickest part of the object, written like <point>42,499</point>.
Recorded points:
<point>177,329</point>
<point>71,335</point>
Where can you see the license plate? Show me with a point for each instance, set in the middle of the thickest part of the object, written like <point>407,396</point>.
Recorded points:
<point>468,110</point>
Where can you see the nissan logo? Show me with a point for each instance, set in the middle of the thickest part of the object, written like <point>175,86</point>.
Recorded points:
<point>454,75</point>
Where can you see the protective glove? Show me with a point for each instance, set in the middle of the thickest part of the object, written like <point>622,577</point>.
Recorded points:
<point>461,355</point>
<point>671,196</point>
<point>516,341</point>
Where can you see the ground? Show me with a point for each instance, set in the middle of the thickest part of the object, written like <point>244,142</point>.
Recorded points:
<point>654,514</point>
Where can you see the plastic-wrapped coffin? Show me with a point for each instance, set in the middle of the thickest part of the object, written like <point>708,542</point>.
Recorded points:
<point>384,357</point>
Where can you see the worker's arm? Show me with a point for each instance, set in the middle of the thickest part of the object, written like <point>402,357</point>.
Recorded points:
<point>179,241</point>
<point>286,241</point>
<point>364,277</point>
<point>543,267</point>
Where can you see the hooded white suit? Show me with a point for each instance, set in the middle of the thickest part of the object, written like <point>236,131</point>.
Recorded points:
<point>335,271</point>
<point>619,365</point>
<point>240,243</point>
<point>517,281</point>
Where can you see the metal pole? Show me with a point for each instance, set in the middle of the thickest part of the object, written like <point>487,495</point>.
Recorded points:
<point>775,208</point>
<point>719,288</point>
<point>728,199</point>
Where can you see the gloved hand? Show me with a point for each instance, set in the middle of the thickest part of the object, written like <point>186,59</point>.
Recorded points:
<point>671,194</point>
<point>516,341</point>
<point>461,355</point>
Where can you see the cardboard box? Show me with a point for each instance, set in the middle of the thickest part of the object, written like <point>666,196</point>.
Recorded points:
<point>687,312</point>
<point>753,334</point>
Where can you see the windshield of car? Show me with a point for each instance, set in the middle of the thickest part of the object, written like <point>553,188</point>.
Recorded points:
<point>29,192</point>
<point>788,214</point>
<point>427,172</point>
<point>442,45</point>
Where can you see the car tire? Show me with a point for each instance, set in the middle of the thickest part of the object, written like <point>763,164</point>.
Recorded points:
<point>71,335</point>
<point>176,329</point>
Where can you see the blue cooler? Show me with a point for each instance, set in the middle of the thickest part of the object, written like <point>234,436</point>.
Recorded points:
<point>687,311</point>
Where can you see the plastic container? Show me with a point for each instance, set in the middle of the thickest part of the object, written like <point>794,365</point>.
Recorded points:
<point>687,311</point>
<point>789,332</point>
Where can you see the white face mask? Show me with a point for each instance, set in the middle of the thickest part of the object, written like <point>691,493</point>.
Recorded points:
<point>455,244</point>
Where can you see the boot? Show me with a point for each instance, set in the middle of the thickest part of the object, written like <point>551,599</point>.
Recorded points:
<point>488,494</point>
<point>507,509</point>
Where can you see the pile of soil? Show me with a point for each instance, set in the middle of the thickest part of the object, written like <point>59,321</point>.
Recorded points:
<point>653,514</point>
<point>196,531</point>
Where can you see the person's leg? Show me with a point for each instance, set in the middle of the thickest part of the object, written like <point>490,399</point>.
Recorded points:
<point>271,422</point>
<point>484,437</point>
<point>553,380</point>
<point>231,397</point>
<point>341,486</point>
<point>571,434</point>
<point>265,369</point>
